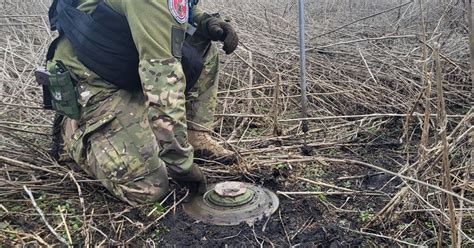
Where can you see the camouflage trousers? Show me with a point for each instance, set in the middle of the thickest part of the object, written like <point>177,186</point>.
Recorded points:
<point>120,142</point>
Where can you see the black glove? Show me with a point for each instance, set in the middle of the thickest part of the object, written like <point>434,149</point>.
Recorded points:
<point>194,180</point>
<point>217,30</point>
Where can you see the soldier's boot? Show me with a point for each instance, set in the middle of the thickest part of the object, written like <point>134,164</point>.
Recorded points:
<point>207,148</point>
<point>63,131</point>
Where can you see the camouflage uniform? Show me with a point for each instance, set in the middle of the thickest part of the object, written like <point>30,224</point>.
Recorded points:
<point>201,100</point>
<point>130,139</point>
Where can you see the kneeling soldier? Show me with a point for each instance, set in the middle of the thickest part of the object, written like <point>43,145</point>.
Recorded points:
<point>144,91</point>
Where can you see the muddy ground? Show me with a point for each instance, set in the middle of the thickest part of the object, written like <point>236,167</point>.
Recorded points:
<point>301,221</point>
<point>320,220</point>
<point>304,221</point>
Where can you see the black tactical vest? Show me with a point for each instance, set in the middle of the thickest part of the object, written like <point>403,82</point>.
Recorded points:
<point>102,41</point>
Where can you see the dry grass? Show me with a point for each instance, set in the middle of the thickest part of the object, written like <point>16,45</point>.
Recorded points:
<point>368,88</point>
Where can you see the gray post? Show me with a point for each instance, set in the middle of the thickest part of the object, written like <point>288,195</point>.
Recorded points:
<point>303,84</point>
<point>304,100</point>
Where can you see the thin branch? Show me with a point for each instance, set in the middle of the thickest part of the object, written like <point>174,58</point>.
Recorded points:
<point>40,212</point>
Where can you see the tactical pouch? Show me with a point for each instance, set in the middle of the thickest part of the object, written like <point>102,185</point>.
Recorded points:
<point>63,91</point>
<point>59,90</point>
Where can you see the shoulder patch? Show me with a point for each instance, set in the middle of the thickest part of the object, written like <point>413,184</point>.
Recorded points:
<point>179,10</point>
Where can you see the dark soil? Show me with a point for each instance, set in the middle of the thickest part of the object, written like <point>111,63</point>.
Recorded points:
<point>306,221</point>
<point>303,222</point>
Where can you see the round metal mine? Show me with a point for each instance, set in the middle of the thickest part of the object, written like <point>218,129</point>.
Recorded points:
<point>232,203</point>
<point>229,194</point>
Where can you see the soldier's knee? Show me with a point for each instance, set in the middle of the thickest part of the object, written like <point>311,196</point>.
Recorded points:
<point>158,194</point>
<point>157,185</point>
<point>149,188</point>
<point>127,181</point>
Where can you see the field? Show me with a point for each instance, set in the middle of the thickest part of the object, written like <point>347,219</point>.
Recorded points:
<point>390,129</point>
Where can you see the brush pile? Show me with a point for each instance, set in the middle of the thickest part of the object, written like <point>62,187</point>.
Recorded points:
<point>389,90</point>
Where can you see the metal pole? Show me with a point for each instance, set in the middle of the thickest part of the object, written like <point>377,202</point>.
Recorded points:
<point>303,84</point>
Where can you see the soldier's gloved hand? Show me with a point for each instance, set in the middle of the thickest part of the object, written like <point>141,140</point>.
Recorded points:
<point>217,30</point>
<point>194,180</point>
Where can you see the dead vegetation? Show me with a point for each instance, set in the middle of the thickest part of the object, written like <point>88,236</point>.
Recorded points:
<point>390,115</point>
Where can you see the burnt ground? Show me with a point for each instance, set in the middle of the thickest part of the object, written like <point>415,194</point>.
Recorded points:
<point>305,221</point>
<point>321,220</point>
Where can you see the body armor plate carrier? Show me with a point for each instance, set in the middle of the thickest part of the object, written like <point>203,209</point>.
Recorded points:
<point>102,41</point>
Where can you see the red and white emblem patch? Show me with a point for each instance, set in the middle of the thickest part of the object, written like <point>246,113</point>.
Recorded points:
<point>179,10</point>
